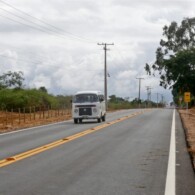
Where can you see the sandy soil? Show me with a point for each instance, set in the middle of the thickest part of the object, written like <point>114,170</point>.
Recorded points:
<point>14,121</point>
<point>188,120</point>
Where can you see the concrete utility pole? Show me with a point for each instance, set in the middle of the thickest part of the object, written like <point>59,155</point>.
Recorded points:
<point>105,70</point>
<point>157,98</point>
<point>162,96</point>
<point>148,88</point>
<point>139,88</point>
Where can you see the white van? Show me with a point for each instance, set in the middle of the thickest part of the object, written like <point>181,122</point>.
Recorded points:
<point>88,105</point>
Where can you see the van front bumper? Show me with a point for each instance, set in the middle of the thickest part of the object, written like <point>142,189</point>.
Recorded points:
<point>86,117</point>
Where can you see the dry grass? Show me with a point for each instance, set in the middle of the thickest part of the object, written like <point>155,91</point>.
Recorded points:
<point>10,121</point>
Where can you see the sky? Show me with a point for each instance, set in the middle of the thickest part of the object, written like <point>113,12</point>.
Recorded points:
<point>55,43</point>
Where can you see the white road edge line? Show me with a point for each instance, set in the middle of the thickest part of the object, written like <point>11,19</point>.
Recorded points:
<point>170,180</point>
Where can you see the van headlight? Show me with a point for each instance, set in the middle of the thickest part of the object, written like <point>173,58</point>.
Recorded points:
<point>76,110</point>
<point>94,109</point>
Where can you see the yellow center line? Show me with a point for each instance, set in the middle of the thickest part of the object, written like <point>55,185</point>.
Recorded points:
<point>54,144</point>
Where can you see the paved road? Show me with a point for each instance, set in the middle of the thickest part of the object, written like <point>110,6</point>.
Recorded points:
<point>128,157</point>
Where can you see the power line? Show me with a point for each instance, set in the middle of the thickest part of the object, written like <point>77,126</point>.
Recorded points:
<point>34,27</point>
<point>75,36</point>
<point>62,32</point>
<point>35,62</point>
<point>41,27</point>
<point>23,23</point>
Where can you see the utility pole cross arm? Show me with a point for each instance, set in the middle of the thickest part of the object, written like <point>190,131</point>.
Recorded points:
<point>105,70</point>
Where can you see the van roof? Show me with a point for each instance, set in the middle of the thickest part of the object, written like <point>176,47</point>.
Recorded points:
<point>89,92</point>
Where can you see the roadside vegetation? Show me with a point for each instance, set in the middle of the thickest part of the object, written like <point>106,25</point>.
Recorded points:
<point>116,103</point>
<point>14,95</point>
<point>175,60</point>
<point>175,63</point>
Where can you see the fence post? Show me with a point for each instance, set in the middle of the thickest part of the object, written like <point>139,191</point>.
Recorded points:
<point>12,121</point>
<point>6,121</point>
<point>24,115</point>
<point>39,112</point>
<point>34,113</point>
<point>19,114</point>
<point>30,112</point>
<point>43,112</point>
<point>48,111</point>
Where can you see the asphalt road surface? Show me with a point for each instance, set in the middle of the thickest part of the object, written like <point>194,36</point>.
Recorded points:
<point>127,156</point>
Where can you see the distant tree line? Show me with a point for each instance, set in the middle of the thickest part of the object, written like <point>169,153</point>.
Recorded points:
<point>13,94</point>
<point>115,103</point>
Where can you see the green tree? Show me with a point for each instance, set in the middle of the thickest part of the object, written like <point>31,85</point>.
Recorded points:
<point>11,80</point>
<point>64,100</point>
<point>43,89</point>
<point>115,99</point>
<point>175,57</point>
<point>14,99</point>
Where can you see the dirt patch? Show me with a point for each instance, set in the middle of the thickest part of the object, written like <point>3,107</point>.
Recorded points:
<point>10,121</point>
<point>188,120</point>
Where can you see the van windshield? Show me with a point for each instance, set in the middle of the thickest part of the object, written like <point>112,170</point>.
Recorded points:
<point>81,98</point>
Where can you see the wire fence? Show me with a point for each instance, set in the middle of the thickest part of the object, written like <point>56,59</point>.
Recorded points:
<point>31,116</point>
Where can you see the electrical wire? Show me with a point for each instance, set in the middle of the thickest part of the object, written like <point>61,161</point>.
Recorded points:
<point>23,23</point>
<point>41,27</point>
<point>57,30</point>
<point>33,27</point>
<point>24,60</point>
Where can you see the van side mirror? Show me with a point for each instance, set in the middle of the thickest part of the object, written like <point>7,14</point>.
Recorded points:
<point>101,99</point>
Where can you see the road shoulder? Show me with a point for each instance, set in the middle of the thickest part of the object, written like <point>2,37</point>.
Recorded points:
<point>185,177</point>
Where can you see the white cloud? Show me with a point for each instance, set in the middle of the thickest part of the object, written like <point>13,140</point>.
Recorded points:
<point>41,80</point>
<point>70,60</point>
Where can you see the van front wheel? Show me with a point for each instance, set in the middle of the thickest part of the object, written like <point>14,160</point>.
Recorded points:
<point>104,118</point>
<point>99,120</point>
<point>75,120</point>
